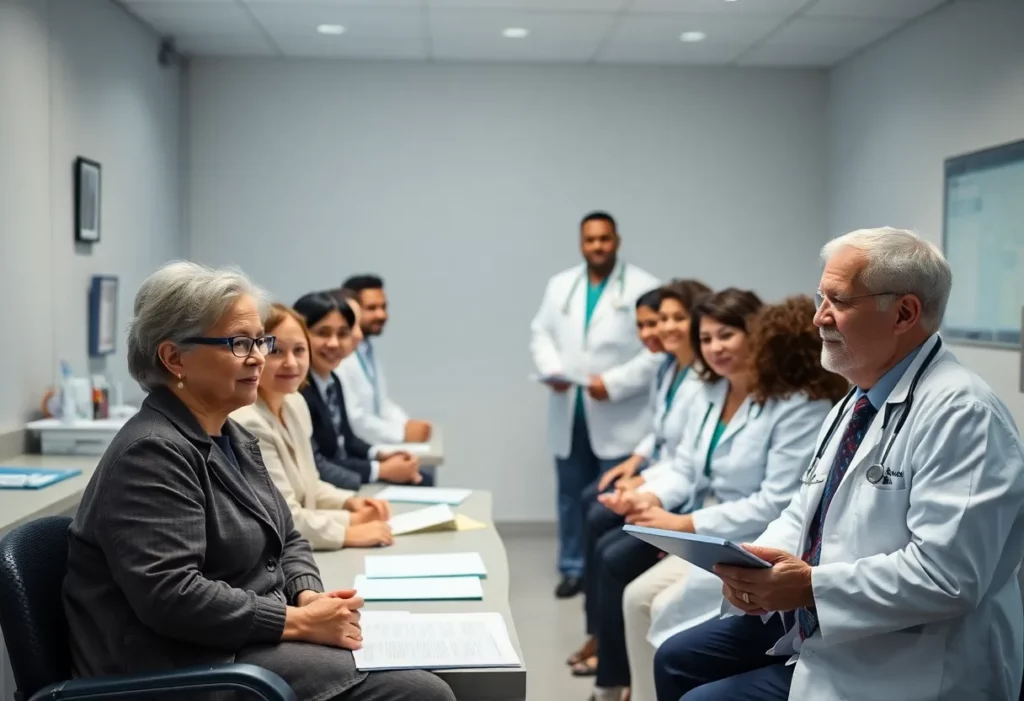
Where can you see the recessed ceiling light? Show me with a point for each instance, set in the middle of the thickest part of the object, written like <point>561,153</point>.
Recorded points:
<point>690,37</point>
<point>331,29</point>
<point>515,33</point>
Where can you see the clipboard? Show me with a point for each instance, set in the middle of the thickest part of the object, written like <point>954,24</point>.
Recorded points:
<point>700,550</point>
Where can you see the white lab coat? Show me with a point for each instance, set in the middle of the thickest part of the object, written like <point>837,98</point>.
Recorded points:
<point>669,422</point>
<point>387,427</point>
<point>610,348</point>
<point>755,471</point>
<point>916,592</point>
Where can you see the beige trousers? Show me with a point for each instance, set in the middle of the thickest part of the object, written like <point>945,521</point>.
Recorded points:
<point>644,598</point>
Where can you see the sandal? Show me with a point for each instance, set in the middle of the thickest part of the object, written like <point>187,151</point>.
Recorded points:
<point>585,668</point>
<point>586,650</point>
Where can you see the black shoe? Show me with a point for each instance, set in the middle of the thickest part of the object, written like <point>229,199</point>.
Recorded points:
<point>569,587</point>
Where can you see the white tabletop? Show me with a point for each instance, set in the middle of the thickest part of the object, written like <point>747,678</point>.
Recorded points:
<point>339,568</point>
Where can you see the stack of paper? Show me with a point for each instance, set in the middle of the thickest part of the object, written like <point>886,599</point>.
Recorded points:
<point>432,519</point>
<point>402,640</point>
<point>414,449</point>
<point>423,495</point>
<point>420,589</point>
<point>415,566</point>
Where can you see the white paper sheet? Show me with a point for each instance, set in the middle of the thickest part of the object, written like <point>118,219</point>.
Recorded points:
<point>435,565</point>
<point>420,589</point>
<point>431,517</point>
<point>416,449</point>
<point>578,380</point>
<point>436,641</point>
<point>423,495</point>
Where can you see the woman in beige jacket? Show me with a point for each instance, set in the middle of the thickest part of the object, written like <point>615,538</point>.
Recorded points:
<point>328,517</point>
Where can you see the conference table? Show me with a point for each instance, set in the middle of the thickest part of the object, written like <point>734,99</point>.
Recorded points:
<point>338,569</point>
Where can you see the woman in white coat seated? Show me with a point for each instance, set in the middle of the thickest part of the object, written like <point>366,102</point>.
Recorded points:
<point>328,517</point>
<point>784,397</point>
<point>738,464</point>
<point>663,324</point>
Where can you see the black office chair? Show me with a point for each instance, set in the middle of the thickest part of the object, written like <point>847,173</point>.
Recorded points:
<point>33,562</point>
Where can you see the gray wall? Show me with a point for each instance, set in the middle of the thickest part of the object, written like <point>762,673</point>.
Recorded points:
<point>78,78</point>
<point>463,186</point>
<point>952,83</point>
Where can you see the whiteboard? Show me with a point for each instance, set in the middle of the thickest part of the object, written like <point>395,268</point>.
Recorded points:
<point>983,239</point>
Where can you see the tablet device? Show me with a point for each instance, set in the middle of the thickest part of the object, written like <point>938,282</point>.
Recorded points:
<point>700,550</point>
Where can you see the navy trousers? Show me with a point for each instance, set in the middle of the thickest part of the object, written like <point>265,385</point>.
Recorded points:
<point>620,559</point>
<point>575,473</point>
<point>723,659</point>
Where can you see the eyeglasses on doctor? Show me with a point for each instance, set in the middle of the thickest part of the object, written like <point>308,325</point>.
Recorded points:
<point>844,302</point>
<point>241,346</point>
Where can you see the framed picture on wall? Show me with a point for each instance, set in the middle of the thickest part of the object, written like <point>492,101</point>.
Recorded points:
<point>87,200</point>
<point>102,315</point>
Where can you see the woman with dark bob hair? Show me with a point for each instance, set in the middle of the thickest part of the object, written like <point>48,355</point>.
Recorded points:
<point>737,467</point>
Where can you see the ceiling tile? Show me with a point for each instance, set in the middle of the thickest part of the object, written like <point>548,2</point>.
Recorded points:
<point>674,53</point>
<point>224,45</point>
<point>790,55</point>
<point>834,31</point>
<point>305,5</point>
<point>666,27</point>
<point>740,7</point>
<point>905,9</point>
<point>355,47</point>
<point>475,35</point>
<point>546,5</point>
<point>290,19</point>
<point>210,17</point>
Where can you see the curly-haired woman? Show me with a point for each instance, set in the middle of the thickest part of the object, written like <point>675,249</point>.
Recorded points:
<point>736,468</point>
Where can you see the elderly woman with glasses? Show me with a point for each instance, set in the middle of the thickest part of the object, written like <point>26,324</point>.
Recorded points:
<point>182,552</point>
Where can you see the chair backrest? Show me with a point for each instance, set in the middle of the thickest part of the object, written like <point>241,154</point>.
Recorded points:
<point>33,562</point>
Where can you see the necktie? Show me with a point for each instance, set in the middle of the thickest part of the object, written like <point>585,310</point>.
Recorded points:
<point>334,405</point>
<point>370,367</point>
<point>861,418</point>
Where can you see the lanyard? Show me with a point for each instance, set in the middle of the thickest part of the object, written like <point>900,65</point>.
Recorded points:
<point>371,376</point>
<point>713,444</point>
<point>670,396</point>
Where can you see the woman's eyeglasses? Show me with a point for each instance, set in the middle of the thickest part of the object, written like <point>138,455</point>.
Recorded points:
<point>241,346</point>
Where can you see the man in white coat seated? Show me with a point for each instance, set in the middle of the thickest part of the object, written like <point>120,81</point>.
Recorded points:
<point>586,350</point>
<point>894,569</point>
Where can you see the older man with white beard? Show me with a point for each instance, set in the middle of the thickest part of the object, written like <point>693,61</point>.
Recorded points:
<point>894,570</point>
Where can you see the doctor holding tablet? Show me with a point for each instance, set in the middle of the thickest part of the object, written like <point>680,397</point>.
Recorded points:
<point>584,331</point>
<point>895,567</point>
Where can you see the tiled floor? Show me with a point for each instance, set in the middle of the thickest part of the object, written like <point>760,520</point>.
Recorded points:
<point>549,629</point>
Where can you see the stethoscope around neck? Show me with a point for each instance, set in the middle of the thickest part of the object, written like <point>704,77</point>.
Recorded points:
<point>620,282</point>
<point>877,470</point>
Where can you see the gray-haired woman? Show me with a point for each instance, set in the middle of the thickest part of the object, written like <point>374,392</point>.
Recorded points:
<point>183,552</point>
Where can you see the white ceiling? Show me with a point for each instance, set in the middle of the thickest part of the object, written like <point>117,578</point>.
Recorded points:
<point>738,32</point>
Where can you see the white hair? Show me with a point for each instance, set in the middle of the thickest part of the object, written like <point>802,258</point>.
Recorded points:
<point>180,300</point>
<point>900,262</point>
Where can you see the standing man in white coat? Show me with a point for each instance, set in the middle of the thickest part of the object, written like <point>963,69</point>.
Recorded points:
<point>894,569</point>
<point>586,350</point>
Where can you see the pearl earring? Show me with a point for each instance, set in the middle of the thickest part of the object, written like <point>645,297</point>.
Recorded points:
<point>181,385</point>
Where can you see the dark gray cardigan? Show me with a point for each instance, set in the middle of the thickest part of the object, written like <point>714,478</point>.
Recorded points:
<point>178,558</point>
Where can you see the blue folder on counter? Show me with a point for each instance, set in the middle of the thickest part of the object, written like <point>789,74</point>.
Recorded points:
<point>32,477</point>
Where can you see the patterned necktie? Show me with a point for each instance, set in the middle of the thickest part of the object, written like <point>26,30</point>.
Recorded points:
<point>863,412</point>
<point>334,405</point>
